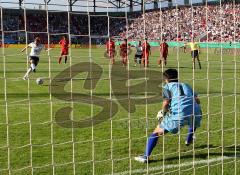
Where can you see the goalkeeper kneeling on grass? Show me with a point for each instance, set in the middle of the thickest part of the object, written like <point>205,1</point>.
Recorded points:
<point>181,106</point>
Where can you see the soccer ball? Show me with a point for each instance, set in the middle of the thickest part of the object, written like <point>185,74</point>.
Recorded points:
<point>39,81</point>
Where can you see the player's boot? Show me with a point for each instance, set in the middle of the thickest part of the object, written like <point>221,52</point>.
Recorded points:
<point>25,78</point>
<point>142,159</point>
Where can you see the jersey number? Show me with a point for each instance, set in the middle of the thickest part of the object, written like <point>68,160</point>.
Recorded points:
<point>181,90</point>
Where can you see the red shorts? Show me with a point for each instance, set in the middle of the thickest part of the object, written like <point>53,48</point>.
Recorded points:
<point>123,54</point>
<point>64,52</point>
<point>164,55</point>
<point>145,55</point>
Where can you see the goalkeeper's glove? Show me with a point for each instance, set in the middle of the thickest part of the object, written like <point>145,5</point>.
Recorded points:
<point>160,115</point>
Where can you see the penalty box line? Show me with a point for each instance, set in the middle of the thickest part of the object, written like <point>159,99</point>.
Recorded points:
<point>186,164</point>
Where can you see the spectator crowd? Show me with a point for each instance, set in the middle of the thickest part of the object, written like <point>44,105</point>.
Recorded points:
<point>214,23</point>
<point>219,23</point>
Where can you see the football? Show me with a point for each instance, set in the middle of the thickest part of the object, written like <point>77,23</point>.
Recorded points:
<point>39,81</point>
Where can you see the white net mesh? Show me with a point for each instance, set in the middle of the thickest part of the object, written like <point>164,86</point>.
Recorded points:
<point>93,117</point>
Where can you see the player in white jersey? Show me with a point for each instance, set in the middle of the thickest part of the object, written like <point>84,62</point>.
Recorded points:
<point>138,55</point>
<point>36,48</point>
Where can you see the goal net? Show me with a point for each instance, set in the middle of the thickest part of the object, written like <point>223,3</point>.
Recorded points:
<point>90,114</point>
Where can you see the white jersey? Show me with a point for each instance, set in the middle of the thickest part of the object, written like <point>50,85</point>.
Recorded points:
<point>139,50</point>
<point>35,50</point>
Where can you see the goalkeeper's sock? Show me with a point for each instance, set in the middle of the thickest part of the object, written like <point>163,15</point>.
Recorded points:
<point>152,141</point>
<point>189,138</point>
<point>65,60</point>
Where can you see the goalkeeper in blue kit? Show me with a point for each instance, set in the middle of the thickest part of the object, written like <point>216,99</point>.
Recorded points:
<point>181,106</point>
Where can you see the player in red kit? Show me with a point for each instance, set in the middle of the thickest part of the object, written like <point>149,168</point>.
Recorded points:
<point>64,49</point>
<point>123,52</point>
<point>146,52</point>
<point>163,53</point>
<point>110,49</point>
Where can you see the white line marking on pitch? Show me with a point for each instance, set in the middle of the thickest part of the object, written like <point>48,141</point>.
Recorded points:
<point>157,168</point>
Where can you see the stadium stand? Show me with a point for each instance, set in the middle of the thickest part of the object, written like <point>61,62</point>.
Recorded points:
<point>178,24</point>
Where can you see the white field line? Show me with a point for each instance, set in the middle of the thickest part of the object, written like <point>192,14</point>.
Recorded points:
<point>186,164</point>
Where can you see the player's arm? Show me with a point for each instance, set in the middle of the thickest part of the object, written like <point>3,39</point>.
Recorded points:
<point>165,106</point>
<point>48,49</point>
<point>28,46</point>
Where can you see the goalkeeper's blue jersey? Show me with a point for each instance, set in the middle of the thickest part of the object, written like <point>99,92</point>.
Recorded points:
<point>182,99</point>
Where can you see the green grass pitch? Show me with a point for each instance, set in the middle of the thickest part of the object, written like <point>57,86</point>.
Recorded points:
<point>49,148</point>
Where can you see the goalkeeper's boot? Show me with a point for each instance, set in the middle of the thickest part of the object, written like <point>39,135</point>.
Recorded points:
<point>142,159</point>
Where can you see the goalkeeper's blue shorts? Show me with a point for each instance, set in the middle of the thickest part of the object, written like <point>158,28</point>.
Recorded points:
<point>173,122</point>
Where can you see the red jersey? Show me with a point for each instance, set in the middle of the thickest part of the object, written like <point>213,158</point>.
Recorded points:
<point>110,46</point>
<point>123,49</point>
<point>64,44</point>
<point>164,48</point>
<point>146,48</point>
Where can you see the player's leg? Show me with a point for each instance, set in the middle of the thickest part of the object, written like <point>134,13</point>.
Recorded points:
<point>160,62</point>
<point>189,137</point>
<point>66,54</point>
<point>199,63</point>
<point>193,59</point>
<point>113,60</point>
<point>143,60</point>
<point>65,61</point>
<point>147,60</point>
<point>60,58</point>
<point>193,123</point>
<point>111,56</point>
<point>164,59</point>
<point>33,63</point>
<point>125,59</point>
<point>151,143</point>
<point>168,124</point>
<point>152,140</point>
<point>140,60</point>
<point>25,77</point>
